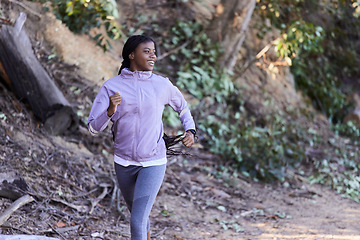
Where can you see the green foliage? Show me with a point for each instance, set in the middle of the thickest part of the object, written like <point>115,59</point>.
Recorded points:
<point>340,172</point>
<point>229,225</point>
<point>171,118</point>
<point>300,37</point>
<point>140,26</point>
<point>319,73</point>
<point>263,147</point>
<point>303,42</point>
<point>348,129</point>
<point>324,62</point>
<point>1,11</point>
<point>266,147</point>
<point>259,149</point>
<point>80,16</point>
<point>199,72</point>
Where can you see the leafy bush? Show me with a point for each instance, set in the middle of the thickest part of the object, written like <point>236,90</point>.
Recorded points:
<point>349,129</point>
<point>264,152</point>
<point>320,74</point>
<point>303,42</point>
<point>199,72</point>
<point>340,170</point>
<point>324,62</point>
<point>80,16</point>
<point>261,150</point>
<point>266,148</point>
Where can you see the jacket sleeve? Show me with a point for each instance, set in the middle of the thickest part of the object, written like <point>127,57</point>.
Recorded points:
<point>178,103</point>
<point>98,118</point>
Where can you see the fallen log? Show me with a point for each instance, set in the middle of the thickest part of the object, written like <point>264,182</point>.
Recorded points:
<point>30,81</point>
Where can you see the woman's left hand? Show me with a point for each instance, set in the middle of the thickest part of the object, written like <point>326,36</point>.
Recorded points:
<point>189,139</point>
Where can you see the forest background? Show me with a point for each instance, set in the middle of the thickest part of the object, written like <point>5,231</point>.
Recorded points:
<point>273,85</point>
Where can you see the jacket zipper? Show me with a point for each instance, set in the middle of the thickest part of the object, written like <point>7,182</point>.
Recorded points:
<point>135,155</point>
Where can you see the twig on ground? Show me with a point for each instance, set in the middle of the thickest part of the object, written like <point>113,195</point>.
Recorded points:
<point>80,195</point>
<point>58,177</point>
<point>5,227</point>
<point>16,205</point>
<point>118,232</point>
<point>26,237</point>
<point>72,172</point>
<point>98,199</point>
<point>113,196</point>
<point>79,208</point>
<point>66,229</point>
<point>160,232</point>
<point>118,206</point>
<point>54,229</point>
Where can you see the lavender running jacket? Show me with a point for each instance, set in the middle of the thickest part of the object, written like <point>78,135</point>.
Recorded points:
<point>137,122</point>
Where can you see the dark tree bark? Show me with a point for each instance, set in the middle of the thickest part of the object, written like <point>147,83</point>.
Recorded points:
<point>229,26</point>
<point>30,81</point>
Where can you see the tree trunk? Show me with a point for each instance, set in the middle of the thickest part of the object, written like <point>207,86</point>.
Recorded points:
<point>30,81</point>
<point>229,26</point>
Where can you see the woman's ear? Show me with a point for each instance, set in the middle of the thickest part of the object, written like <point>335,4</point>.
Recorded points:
<point>131,56</point>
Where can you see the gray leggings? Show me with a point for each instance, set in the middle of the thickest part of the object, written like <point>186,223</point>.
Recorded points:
<point>139,187</point>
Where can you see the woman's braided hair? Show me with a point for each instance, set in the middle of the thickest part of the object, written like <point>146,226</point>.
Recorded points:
<point>130,45</point>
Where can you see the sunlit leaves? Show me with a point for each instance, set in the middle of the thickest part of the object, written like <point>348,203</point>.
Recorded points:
<point>356,6</point>
<point>320,39</point>
<point>300,36</point>
<point>80,16</point>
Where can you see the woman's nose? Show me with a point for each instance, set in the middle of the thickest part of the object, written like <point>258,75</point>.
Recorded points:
<point>153,55</point>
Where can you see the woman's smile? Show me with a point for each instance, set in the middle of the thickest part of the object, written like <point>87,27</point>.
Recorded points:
<point>143,58</point>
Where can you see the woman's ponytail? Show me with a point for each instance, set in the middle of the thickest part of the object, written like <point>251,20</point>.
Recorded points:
<point>125,64</point>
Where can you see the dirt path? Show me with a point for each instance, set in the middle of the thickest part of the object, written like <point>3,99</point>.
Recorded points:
<point>199,199</point>
<point>213,208</point>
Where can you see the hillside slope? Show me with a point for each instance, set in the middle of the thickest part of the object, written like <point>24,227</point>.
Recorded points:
<point>72,176</point>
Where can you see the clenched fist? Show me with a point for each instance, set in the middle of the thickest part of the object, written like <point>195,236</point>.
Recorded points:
<point>115,100</point>
<point>189,139</point>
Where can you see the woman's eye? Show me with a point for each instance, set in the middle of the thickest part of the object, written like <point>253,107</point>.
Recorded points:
<point>148,51</point>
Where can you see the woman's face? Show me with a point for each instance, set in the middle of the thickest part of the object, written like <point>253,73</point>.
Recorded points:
<point>143,58</point>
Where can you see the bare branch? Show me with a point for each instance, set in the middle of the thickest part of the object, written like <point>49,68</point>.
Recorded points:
<point>16,205</point>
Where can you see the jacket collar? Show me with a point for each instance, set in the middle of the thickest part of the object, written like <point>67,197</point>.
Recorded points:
<point>141,75</point>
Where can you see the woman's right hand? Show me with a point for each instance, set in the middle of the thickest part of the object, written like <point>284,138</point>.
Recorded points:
<point>115,100</point>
